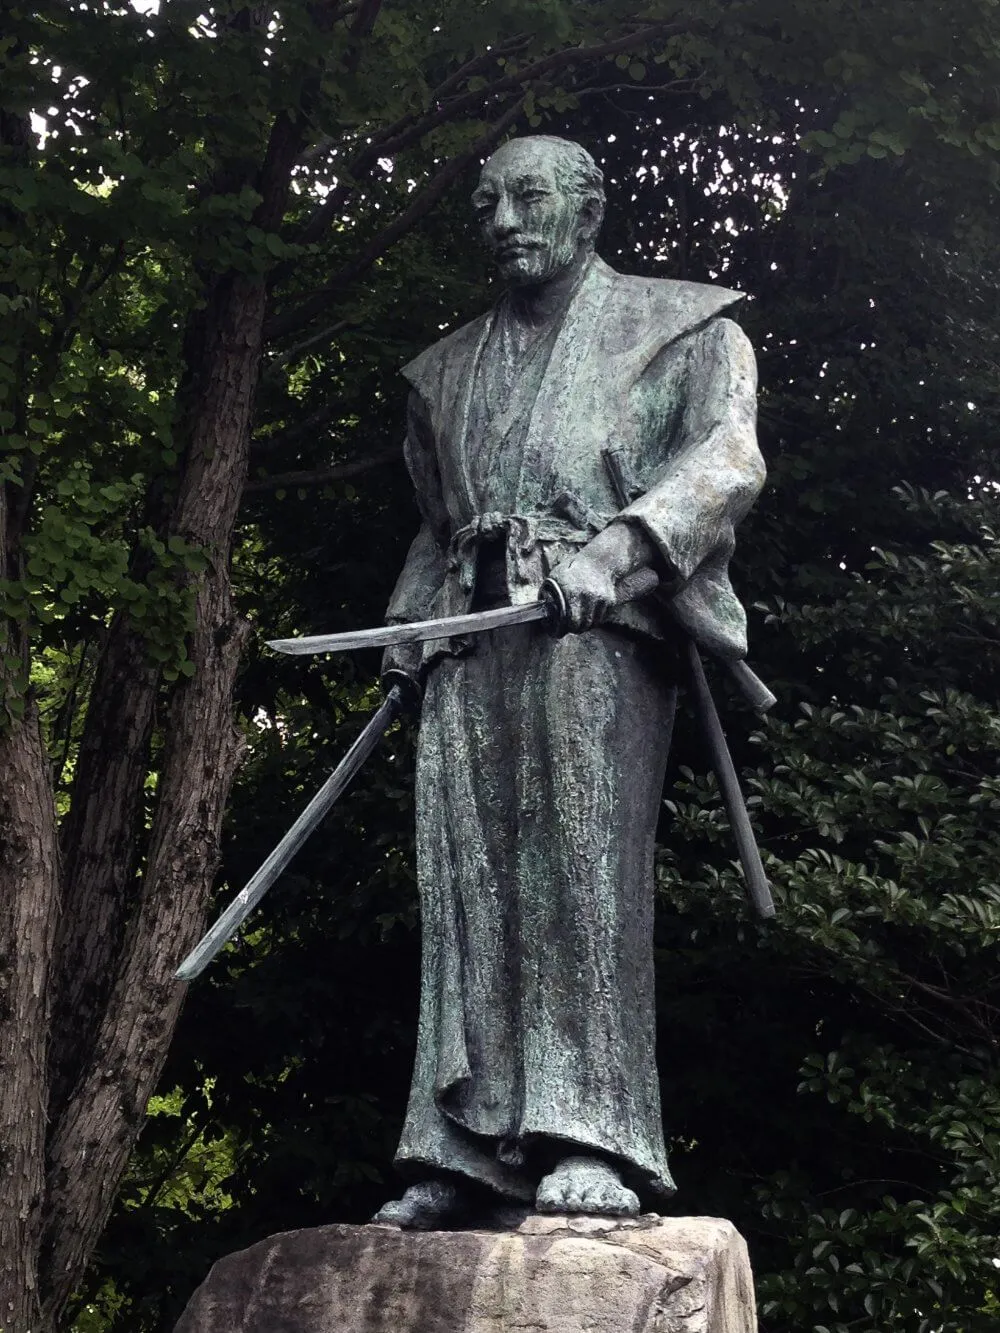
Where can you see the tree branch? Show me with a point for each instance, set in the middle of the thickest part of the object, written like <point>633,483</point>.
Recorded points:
<point>288,321</point>
<point>269,444</point>
<point>675,85</point>
<point>478,63</point>
<point>62,726</point>
<point>367,12</point>
<point>322,476</point>
<point>466,102</point>
<point>406,131</point>
<point>361,28</point>
<point>330,331</point>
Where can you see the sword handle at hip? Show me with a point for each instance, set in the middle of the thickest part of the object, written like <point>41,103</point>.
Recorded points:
<point>630,589</point>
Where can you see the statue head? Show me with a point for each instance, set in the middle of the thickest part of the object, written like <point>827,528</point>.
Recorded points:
<point>539,203</point>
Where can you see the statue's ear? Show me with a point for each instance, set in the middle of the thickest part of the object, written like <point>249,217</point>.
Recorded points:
<point>591,217</point>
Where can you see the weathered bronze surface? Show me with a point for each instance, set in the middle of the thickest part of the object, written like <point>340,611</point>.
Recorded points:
<point>541,758</point>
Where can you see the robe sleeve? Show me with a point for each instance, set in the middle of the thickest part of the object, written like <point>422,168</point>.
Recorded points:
<point>424,570</point>
<point>715,470</point>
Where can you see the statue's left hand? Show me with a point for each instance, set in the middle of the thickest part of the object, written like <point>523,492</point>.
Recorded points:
<point>589,579</point>
<point>588,588</point>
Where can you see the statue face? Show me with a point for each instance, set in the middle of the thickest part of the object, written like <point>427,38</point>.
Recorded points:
<point>531,223</point>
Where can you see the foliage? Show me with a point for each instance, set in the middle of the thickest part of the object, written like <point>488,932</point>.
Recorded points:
<point>203,182</point>
<point>830,1081</point>
<point>883,852</point>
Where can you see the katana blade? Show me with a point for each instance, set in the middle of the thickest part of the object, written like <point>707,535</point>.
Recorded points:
<point>248,898</point>
<point>417,631</point>
<point>550,608</point>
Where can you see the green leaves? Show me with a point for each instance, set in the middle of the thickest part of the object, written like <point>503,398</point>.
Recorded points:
<point>871,818</point>
<point>834,161</point>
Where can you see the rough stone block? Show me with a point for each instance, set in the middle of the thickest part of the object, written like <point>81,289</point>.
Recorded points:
<point>549,1275</point>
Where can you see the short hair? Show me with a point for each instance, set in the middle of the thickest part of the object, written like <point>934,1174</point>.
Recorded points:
<point>577,171</point>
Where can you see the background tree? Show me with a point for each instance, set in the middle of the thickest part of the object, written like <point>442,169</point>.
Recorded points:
<point>209,180</point>
<point>219,183</point>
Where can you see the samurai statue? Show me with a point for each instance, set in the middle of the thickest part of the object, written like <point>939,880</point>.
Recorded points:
<point>590,426</point>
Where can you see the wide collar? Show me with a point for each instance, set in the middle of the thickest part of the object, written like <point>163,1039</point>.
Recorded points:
<point>613,327</point>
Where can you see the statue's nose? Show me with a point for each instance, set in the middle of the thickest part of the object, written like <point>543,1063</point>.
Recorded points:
<point>504,218</point>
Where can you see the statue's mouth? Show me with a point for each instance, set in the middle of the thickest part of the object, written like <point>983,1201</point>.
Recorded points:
<point>515,250</point>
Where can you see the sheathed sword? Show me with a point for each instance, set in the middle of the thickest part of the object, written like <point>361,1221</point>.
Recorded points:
<point>248,898</point>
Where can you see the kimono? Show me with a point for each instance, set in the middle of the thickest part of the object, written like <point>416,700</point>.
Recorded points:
<point>540,759</point>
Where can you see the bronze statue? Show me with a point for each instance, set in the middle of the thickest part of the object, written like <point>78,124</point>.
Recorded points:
<point>590,427</point>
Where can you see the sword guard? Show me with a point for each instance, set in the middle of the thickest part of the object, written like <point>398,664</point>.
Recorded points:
<point>558,611</point>
<point>638,584</point>
<point>408,689</point>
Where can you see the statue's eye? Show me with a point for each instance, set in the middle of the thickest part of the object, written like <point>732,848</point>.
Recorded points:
<point>533,196</point>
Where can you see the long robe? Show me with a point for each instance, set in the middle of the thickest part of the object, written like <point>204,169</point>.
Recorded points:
<point>540,760</point>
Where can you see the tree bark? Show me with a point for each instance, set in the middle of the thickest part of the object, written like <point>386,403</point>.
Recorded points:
<point>29,887</point>
<point>101,1120</point>
<point>102,841</point>
<point>29,901</point>
<point>101,844</point>
<point>101,1115</point>
<point>105,1115</point>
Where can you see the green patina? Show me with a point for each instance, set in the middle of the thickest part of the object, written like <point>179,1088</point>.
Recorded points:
<point>541,759</point>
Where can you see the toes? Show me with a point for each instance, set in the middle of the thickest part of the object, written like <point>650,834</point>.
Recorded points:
<point>422,1208</point>
<point>395,1213</point>
<point>548,1199</point>
<point>586,1187</point>
<point>628,1203</point>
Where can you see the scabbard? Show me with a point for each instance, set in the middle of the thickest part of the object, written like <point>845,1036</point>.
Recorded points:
<point>758,889</point>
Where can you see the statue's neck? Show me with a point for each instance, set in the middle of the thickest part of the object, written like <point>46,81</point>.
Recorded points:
<point>541,304</point>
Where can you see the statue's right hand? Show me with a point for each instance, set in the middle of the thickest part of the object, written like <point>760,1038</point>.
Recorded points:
<point>402,665</point>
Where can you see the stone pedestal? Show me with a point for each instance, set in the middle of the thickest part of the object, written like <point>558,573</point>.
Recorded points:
<point>547,1275</point>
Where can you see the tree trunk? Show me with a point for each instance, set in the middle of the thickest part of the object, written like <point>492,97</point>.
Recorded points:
<point>29,885</point>
<point>29,901</point>
<point>103,1116</point>
<point>29,904</point>
<point>134,1010</point>
<point>101,845</point>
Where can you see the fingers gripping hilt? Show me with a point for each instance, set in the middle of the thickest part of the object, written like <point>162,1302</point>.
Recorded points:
<point>409,691</point>
<point>630,589</point>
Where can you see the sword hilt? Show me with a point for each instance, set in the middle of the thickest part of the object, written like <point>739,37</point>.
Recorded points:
<point>556,607</point>
<point>630,589</point>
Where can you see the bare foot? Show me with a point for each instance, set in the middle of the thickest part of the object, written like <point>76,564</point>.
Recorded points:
<point>424,1207</point>
<point>585,1185</point>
